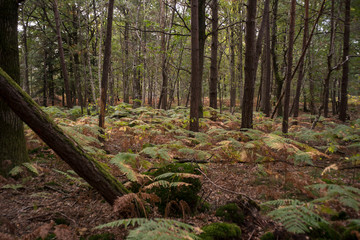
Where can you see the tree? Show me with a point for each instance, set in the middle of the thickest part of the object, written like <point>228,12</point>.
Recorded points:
<point>12,141</point>
<point>285,122</point>
<point>72,153</point>
<point>65,73</point>
<point>214,51</point>
<point>265,96</point>
<point>106,66</point>
<point>195,68</point>
<point>250,62</point>
<point>345,58</point>
<point>301,68</point>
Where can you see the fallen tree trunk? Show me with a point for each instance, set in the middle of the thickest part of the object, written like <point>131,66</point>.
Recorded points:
<point>71,152</point>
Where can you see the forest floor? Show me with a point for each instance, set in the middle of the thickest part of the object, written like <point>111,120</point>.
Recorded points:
<point>261,164</point>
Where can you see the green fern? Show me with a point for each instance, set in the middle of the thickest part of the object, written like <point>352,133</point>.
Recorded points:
<point>346,195</point>
<point>301,157</point>
<point>155,152</point>
<point>15,171</point>
<point>153,229</point>
<point>296,216</point>
<point>13,186</point>
<point>31,168</point>
<point>119,159</point>
<point>75,179</point>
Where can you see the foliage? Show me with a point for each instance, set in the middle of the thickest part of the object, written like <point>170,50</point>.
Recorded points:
<point>296,216</point>
<point>153,229</point>
<point>176,182</point>
<point>231,213</point>
<point>221,231</point>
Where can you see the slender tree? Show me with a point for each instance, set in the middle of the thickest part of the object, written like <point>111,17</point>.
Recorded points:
<point>265,98</point>
<point>301,67</point>
<point>195,68</point>
<point>12,141</point>
<point>65,73</point>
<point>106,66</point>
<point>250,62</point>
<point>214,53</point>
<point>285,122</point>
<point>345,58</point>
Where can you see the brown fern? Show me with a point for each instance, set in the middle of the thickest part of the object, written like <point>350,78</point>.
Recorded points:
<point>169,207</point>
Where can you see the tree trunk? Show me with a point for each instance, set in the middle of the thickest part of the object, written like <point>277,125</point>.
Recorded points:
<point>126,68</point>
<point>301,68</point>
<point>26,52</point>
<point>202,38</point>
<point>329,61</point>
<point>45,77</point>
<point>285,122</point>
<point>106,66</point>
<point>71,152</point>
<point>232,71</point>
<point>195,68</point>
<point>278,79</point>
<point>266,90</point>
<point>250,61</point>
<point>62,56</point>
<point>164,89</point>
<point>12,141</point>
<point>345,58</point>
<point>214,53</point>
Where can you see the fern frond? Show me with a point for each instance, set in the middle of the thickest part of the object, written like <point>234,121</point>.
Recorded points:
<point>296,216</point>
<point>347,195</point>
<point>31,168</point>
<point>154,229</point>
<point>118,161</point>
<point>16,171</point>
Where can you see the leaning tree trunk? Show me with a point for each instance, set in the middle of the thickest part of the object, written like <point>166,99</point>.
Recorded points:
<point>345,74</point>
<point>12,141</point>
<point>71,152</point>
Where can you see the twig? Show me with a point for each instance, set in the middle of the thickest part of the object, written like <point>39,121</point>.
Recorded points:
<point>224,189</point>
<point>251,234</point>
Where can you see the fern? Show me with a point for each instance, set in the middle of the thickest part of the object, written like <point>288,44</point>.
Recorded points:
<point>75,180</point>
<point>130,173</point>
<point>13,186</point>
<point>155,152</point>
<point>296,216</point>
<point>15,171</point>
<point>153,229</point>
<point>31,168</point>
<point>302,157</point>
<point>346,195</point>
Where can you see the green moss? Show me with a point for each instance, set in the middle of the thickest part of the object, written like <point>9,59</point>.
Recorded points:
<point>189,194</point>
<point>221,231</point>
<point>268,236</point>
<point>231,213</point>
<point>103,236</point>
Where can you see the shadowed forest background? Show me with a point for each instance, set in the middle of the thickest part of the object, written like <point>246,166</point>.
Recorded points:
<point>173,119</point>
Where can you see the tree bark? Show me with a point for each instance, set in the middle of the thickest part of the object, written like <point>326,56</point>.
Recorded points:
<point>265,98</point>
<point>285,122</point>
<point>164,89</point>
<point>232,71</point>
<point>12,141</point>
<point>195,68</point>
<point>126,68</point>
<point>71,152</point>
<point>301,68</point>
<point>345,58</point>
<point>214,53</point>
<point>250,61</point>
<point>106,66</point>
<point>65,73</point>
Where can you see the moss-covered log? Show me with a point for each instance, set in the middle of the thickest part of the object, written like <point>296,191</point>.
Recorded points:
<point>73,154</point>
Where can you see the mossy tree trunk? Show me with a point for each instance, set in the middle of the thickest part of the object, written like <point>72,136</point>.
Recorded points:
<point>12,141</point>
<point>84,165</point>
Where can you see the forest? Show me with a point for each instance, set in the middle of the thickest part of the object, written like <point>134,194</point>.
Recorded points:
<point>179,119</point>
